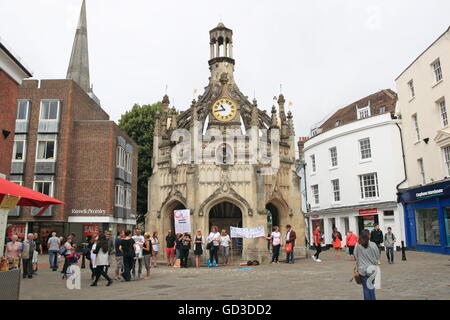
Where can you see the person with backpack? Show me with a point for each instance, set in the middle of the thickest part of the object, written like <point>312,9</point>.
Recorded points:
<point>101,252</point>
<point>127,246</point>
<point>389,242</point>
<point>337,238</point>
<point>184,250</point>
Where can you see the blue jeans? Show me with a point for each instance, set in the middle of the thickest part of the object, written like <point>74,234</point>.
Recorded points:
<point>290,256</point>
<point>369,294</point>
<point>390,254</point>
<point>53,258</point>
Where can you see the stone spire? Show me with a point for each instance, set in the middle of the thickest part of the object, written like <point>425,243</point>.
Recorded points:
<point>165,113</point>
<point>290,123</point>
<point>194,111</point>
<point>78,69</point>
<point>281,102</point>
<point>157,129</point>
<point>274,118</point>
<point>173,122</point>
<point>255,120</point>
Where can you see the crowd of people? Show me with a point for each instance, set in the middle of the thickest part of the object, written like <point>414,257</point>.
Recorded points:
<point>137,251</point>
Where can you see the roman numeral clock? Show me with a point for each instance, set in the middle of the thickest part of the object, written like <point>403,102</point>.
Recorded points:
<point>224,109</point>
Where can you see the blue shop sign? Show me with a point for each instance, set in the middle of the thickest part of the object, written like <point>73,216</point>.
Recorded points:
<point>441,190</point>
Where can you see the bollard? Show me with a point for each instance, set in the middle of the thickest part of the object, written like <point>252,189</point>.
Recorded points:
<point>403,251</point>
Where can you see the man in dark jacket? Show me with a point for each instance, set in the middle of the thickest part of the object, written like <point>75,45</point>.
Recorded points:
<point>376,236</point>
<point>290,238</point>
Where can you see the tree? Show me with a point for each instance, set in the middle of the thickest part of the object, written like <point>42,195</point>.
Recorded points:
<point>139,123</point>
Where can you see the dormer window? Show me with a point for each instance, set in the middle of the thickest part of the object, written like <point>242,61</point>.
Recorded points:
<point>382,109</point>
<point>337,123</point>
<point>363,113</point>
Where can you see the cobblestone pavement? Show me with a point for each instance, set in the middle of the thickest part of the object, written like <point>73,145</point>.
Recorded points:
<point>422,276</point>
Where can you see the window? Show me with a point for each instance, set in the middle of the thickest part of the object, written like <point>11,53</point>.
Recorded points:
<point>45,187</point>
<point>416,126</point>
<point>336,190</point>
<point>46,150</point>
<point>382,109</point>
<point>364,146</point>
<point>120,193</point>
<point>388,213</point>
<point>443,112</point>
<point>447,223</point>
<point>49,110</point>
<point>421,169</point>
<point>313,163</point>
<point>337,123</point>
<point>437,70</point>
<point>19,150</point>
<point>446,151</point>
<point>333,155</point>
<point>128,198</point>
<point>369,186</point>
<point>315,192</point>
<point>22,110</point>
<point>120,157</point>
<point>128,164</point>
<point>363,113</point>
<point>411,88</point>
<point>427,226</point>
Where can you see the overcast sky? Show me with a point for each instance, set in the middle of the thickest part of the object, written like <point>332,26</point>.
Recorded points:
<point>326,54</point>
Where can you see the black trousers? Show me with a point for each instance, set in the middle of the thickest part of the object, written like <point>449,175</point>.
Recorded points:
<point>127,266</point>
<point>318,250</point>
<point>101,271</point>
<point>275,253</point>
<point>27,268</point>
<point>66,265</point>
<point>184,254</point>
<point>213,254</point>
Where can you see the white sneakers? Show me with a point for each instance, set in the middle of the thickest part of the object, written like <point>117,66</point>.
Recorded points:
<point>316,260</point>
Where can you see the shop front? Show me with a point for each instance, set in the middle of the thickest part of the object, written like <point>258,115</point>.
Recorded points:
<point>427,217</point>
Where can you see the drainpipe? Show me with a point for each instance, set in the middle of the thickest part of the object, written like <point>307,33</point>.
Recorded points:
<point>398,191</point>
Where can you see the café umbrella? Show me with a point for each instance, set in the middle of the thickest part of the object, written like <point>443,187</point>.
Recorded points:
<point>12,194</point>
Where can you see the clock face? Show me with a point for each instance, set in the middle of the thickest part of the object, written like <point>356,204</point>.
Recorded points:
<point>224,109</point>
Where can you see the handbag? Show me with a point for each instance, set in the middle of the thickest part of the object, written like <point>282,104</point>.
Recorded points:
<point>288,247</point>
<point>356,275</point>
<point>209,246</point>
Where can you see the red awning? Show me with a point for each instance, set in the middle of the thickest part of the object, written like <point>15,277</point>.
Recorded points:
<point>28,197</point>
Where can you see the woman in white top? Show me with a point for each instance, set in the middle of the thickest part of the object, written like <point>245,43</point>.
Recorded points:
<point>225,242</point>
<point>275,238</point>
<point>155,248</point>
<point>214,240</point>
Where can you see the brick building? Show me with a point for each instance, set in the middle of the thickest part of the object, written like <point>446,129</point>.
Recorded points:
<point>66,146</point>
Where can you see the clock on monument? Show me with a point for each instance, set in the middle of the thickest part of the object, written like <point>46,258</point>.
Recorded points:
<point>224,109</point>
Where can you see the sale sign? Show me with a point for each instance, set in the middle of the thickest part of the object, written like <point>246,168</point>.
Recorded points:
<point>90,229</point>
<point>18,230</point>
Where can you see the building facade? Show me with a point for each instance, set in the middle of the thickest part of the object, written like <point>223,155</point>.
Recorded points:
<point>423,99</point>
<point>353,163</point>
<point>221,190</point>
<point>65,146</point>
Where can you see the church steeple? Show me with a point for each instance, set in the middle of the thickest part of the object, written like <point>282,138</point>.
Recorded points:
<point>78,69</point>
<point>221,52</point>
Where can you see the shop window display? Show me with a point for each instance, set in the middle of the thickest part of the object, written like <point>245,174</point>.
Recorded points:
<point>427,226</point>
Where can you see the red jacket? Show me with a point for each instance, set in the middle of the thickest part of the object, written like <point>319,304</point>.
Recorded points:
<point>351,239</point>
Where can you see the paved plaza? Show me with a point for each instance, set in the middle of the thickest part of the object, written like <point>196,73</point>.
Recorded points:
<point>422,276</point>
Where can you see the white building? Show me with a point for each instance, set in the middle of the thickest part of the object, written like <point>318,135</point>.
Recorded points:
<point>423,100</point>
<point>353,165</point>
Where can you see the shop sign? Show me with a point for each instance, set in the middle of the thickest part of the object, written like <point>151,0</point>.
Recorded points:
<point>90,229</point>
<point>9,202</point>
<point>368,211</point>
<point>18,230</point>
<point>441,189</point>
<point>316,216</point>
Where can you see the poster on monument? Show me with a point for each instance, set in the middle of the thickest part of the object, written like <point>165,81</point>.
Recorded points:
<point>247,233</point>
<point>182,220</point>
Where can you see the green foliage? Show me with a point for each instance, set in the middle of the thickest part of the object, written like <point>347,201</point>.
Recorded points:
<point>139,123</point>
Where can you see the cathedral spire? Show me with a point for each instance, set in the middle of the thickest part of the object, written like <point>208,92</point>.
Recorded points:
<point>78,69</point>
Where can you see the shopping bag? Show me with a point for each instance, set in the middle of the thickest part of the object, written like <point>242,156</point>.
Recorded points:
<point>288,247</point>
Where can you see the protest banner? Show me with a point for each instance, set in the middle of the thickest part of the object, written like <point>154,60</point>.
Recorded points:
<point>182,220</point>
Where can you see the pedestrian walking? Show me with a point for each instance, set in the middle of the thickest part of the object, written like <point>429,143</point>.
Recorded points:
<point>290,243</point>
<point>36,253</point>
<point>170,248</point>
<point>111,248</point>
<point>198,250</point>
<point>213,246</point>
<point>389,242</point>
<point>91,255</point>
<point>127,246</point>
<point>139,241</point>
<point>119,254</point>
<point>101,252</point>
<point>275,239</point>
<point>367,254</point>
<point>13,252</point>
<point>28,247</point>
<point>317,237</point>
<point>337,238</point>
<point>224,248</point>
<point>53,245</point>
<point>376,236</point>
<point>350,241</point>
<point>66,249</point>
<point>184,250</point>
<point>147,254</point>
<point>155,248</point>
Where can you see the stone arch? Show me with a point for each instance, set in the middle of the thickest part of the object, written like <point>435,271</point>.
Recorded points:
<point>282,211</point>
<point>167,216</point>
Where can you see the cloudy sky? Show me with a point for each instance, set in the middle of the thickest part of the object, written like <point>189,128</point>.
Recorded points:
<point>326,54</point>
